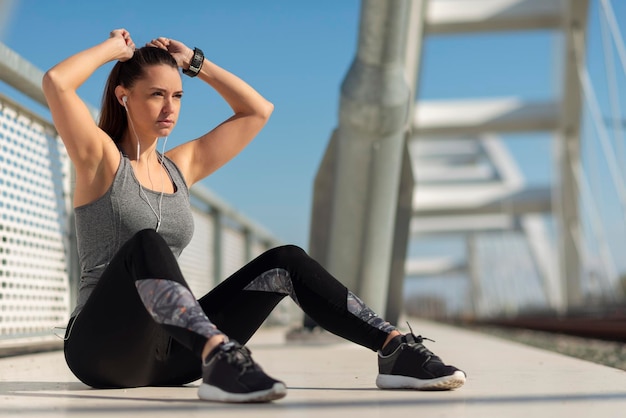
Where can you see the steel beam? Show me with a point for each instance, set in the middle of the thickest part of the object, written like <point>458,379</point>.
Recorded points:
<point>477,116</point>
<point>454,16</point>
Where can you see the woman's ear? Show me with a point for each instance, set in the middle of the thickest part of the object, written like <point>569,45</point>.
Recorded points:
<point>120,93</point>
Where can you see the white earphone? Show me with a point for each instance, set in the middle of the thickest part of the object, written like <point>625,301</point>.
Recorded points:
<point>124,100</point>
<point>158,215</point>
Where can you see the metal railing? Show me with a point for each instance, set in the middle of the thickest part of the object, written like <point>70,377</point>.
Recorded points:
<point>38,265</point>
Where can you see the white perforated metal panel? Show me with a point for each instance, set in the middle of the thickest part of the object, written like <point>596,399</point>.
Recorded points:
<point>196,261</point>
<point>257,249</point>
<point>34,233</point>
<point>233,251</point>
<point>34,172</point>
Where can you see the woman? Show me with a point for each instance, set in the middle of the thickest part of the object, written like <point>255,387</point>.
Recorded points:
<point>136,322</point>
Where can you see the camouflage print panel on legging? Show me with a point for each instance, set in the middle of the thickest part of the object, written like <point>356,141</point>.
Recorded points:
<point>276,281</point>
<point>358,308</point>
<point>279,281</point>
<point>171,303</point>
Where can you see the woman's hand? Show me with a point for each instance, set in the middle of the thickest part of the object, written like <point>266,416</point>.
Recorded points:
<point>180,52</point>
<point>125,43</point>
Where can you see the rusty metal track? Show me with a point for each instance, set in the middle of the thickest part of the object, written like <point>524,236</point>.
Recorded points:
<point>605,326</point>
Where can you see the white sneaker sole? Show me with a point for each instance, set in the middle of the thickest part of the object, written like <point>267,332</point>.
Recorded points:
<point>388,381</point>
<point>215,394</point>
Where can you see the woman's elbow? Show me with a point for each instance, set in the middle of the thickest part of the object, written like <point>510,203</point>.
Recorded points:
<point>46,82</point>
<point>50,83</point>
<point>266,109</point>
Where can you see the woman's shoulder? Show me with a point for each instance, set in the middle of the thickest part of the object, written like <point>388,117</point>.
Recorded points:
<point>174,170</point>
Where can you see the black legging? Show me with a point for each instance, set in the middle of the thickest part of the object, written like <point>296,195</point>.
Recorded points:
<point>114,342</point>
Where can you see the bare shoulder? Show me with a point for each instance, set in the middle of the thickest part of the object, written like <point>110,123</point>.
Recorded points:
<point>182,156</point>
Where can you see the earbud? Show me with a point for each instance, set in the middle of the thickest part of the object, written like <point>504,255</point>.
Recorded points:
<point>124,100</point>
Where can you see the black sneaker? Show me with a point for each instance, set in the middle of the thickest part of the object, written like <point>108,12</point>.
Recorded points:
<point>230,375</point>
<point>406,363</point>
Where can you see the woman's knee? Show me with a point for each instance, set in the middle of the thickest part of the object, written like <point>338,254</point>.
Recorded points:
<point>146,236</point>
<point>147,241</point>
<point>285,254</point>
<point>151,257</point>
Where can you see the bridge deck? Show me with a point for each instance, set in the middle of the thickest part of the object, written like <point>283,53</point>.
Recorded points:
<point>337,380</point>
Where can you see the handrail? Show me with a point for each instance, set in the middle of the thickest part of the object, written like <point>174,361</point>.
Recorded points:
<point>22,330</point>
<point>596,117</point>
<point>612,88</point>
<point>615,32</point>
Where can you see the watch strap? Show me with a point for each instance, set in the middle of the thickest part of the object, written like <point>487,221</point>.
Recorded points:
<point>196,63</point>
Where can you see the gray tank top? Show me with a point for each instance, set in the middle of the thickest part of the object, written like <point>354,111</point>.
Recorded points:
<point>105,224</point>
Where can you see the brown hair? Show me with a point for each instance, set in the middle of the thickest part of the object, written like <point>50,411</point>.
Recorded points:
<point>112,116</point>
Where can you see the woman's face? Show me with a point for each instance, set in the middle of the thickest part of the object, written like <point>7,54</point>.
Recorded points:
<point>154,101</point>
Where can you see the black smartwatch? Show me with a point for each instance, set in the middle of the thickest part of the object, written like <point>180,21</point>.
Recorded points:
<point>196,63</point>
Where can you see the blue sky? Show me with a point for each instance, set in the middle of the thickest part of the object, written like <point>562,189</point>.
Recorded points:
<point>296,53</point>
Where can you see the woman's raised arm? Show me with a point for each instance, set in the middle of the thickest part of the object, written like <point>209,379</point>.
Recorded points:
<point>202,156</point>
<point>83,139</point>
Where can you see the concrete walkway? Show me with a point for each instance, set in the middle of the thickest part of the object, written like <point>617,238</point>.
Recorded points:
<point>337,380</point>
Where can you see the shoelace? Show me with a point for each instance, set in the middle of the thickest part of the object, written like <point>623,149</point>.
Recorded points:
<point>415,342</point>
<point>238,356</point>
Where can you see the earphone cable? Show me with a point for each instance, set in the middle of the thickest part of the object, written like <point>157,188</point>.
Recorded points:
<point>141,191</point>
